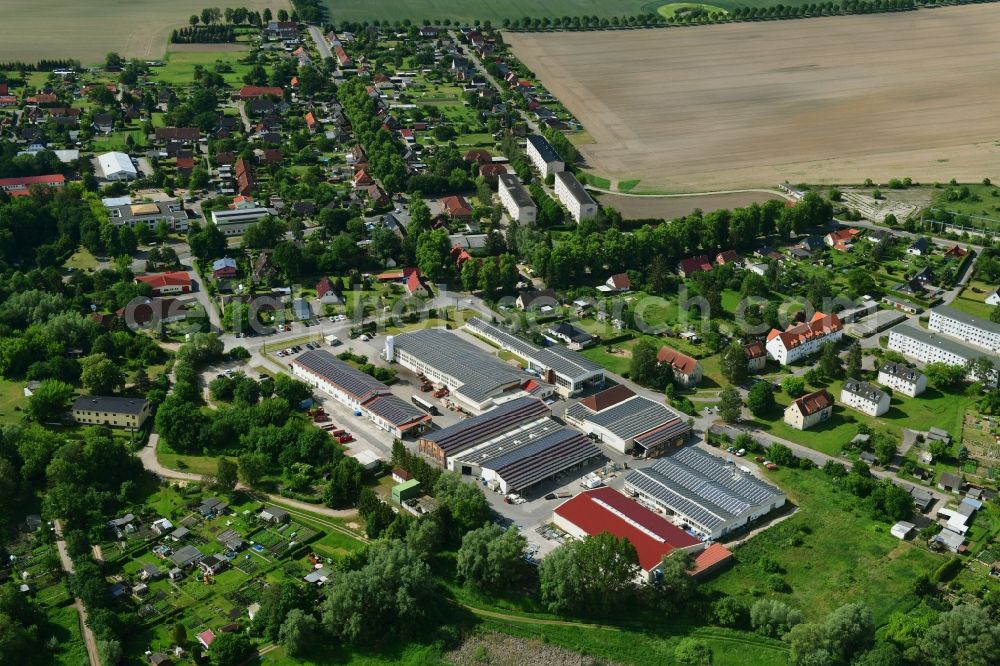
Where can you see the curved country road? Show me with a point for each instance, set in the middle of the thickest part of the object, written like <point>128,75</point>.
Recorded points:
<point>67,564</point>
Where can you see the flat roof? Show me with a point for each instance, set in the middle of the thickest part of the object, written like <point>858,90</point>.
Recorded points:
<point>703,487</point>
<point>396,411</point>
<point>607,510</point>
<point>544,148</point>
<point>560,360</point>
<point>576,190</point>
<point>536,461</point>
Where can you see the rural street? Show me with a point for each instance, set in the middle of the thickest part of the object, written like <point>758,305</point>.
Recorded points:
<point>67,565</point>
<point>320,40</point>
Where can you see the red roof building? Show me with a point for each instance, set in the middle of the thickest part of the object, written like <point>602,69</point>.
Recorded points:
<point>311,123</point>
<point>22,186</point>
<point>362,179</point>
<point>593,512</point>
<point>803,339</point>
<point>177,282</point>
<point>457,206</point>
<point>414,285</point>
<point>710,560</point>
<point>727,258</point>
<point>694,265</point>
<point>956,252</point>
<point>687,370</point>
<point>253,92</point>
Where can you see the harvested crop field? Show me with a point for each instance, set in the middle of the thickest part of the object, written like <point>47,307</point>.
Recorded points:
<point>88,30</point>
<point>836,99</point>
<point>667,208</point>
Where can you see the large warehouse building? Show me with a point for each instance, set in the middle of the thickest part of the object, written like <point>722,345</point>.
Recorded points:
<point>627,422</point>
<point>476,379</point>
<point>569,371</point>
<point>708,494</point>
<point>606,510</point>
<point>511,447</point>
<point>360,392</point>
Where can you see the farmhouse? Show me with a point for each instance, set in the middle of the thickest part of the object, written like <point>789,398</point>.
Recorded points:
<point>476,379</point>
<point>164,284</point>
<point>687,371</point>
<point>925,347</point>
<point>810,409</point>
<point>756,356</point>
<point>606,510</point>
<point>117,166</point>
<point>150,214</point>
<point>457,207</point>
<point>443,445</point>
<point>572,195</point>
<point>360,392</point>
<point>128,413</point>
<point>902,378</point>
<point>567,370</point>
<point>800,340</point>
<point>281,30</point>
<point>707,494</point>
<point>971,330</point>
<point>864,397</point>
<point>516,200</point>
<point>544,156</point>
<point>257,92</point>
<point>629,422</point>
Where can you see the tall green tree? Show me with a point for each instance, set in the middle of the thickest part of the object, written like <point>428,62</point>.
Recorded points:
<point>642,367</point>
<point>854,361</point>
<point>589,577</point>
<point>491,558</point>
<point>50,400</point>
<point>730,405</point>
<point>734,363</point>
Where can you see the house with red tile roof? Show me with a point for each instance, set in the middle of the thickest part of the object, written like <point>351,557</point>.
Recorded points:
<point>457,206</point>
<point>600,510</point>
<point>176,282</point>
<point>362,179</point>
<point>311,123</point>
<point>618,283</point>
<point>841,239</point>
<point>756,356</point>
<point>687,370</point>
<point>478,155</point>
<point>711,560</point>
<point>255,92</point>
<point>812,408</point>
<point>804,339</point>
<point>415,285</point>
<point>692,265</point>
<point>727,258</point>
<point>328,293</point>
<point>377,196</point>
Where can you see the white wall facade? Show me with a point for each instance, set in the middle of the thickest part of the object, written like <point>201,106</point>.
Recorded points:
<point>904,386</point>
<point>964,331</point>
<point>864,404</point>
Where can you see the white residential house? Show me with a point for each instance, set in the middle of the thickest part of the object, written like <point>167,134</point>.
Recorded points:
<point>920,345</point>
<point>810,409</point>
<point>544,156</point>
<point>572,195</point>
<point>993,298</point>
<point>902,379</point>
<point>864,397</point>
<point>516,200</point>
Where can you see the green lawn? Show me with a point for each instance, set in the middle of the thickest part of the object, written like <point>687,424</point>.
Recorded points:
<point>82,260</point>
<point>982,206</point>
<point>616,363</point>
<point>683,9</point>
<point>117,141</point>
<point>186,463</point>
<point>11,397</point>
<point>830,553</point>
<point>64,626</point>
<point>932,408</point>
<point>596,181</point>
<point>180,66</point>
<point>972,300</point>
<point>627,185</point>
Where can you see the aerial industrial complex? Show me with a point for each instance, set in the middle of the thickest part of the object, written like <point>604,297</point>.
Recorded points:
<point>709,495</point>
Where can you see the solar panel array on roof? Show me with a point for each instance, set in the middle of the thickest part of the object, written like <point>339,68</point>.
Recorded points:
<point>481,375</point>
<point>558,359</point>
<point>395,410</point>
<point>508,440</point>
<point>627,419</point>
<point>540,460</point>
<point>702,487</point>
<point>348,378</point>
<point>477,429</point>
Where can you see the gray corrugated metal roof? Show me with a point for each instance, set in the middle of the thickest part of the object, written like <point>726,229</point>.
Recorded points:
<point>113,404</point>
<point>395,410</point>
<point>627,419</point>
<point>359,384</point>
<point>943,342</point>
<point>544,148</point>
<point>966,318</point>
<point>476,429</point>
<point>540,460</point>
<point>560,360</point>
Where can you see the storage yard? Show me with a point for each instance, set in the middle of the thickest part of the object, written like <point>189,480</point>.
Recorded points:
<point>838,99</point>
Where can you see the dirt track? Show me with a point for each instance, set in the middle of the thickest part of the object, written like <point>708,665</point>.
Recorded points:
<point>836,99</point>
<point>640,208</point>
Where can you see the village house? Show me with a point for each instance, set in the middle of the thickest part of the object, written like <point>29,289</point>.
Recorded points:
<point>687,371</point>
<point>691,265</point>
<point>128,413</point>
<point>756,356</point>
<point>864,397</point>
<point>812,408</point>
<point>902,378</point>
<point>164,284</point>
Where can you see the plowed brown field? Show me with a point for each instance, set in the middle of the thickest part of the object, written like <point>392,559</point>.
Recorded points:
<point>835,99</point>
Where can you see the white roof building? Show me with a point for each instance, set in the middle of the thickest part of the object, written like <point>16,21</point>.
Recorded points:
<point>117,166</point>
